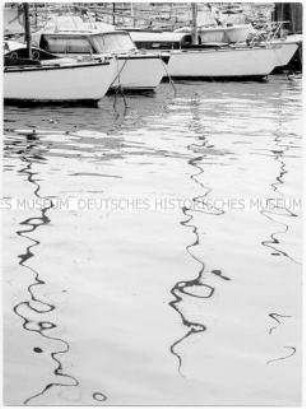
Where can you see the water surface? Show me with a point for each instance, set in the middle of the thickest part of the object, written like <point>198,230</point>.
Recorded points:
<point>152,252</point>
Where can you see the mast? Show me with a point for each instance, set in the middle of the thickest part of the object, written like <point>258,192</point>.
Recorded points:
<point>114,14</point>
<point>194,31</point>
<point>133,14</point>
<point>27,29</point>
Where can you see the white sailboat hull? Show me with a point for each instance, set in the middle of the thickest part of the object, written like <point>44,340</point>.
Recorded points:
<point>284,51</point>
<point>139,73</point>
<point>222,63</point>
<point>78,82</point>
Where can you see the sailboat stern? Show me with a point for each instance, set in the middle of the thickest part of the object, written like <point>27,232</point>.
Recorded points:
<point>139,72</point>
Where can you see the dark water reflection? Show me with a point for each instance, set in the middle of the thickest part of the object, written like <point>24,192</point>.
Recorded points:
<point>150,249</point>
<point>33,312</point>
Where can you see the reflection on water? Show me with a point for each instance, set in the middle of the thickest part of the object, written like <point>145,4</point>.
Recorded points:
<point>291,352</point>
<point>150,231</point>
<point>196,287</point>
<point>278,152</point>
<point>33,311</point>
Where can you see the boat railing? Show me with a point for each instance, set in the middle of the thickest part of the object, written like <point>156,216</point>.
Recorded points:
<point>268,33</point>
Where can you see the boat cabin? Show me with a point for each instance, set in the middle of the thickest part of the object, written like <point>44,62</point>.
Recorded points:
<point>86,43</point>
<point>150,40</point>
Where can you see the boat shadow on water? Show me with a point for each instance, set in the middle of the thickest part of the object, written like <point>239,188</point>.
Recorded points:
<point>249,78</point>
<point>59,104</point>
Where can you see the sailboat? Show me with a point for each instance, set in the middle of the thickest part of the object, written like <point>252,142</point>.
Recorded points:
<point>137,71</point>
<point>190,58</point>
<point>51,80</point>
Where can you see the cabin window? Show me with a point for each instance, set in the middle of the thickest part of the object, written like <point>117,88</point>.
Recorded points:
<point>66,45</point>
<point>78,46</point>
<point>164,45</point>
<point>109,43</point>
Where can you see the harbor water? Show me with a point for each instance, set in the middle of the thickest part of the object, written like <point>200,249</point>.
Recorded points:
<point>152,248</point>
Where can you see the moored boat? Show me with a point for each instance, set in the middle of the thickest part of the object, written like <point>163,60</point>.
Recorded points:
<point>211,61</point>
<point>32,75</point>
<point>215,60</point>
<point>54,81</point>
<point>136,71</point>
<point>213,54</point>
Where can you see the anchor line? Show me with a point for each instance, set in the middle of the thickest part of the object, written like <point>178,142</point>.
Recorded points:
<point>35,304</point>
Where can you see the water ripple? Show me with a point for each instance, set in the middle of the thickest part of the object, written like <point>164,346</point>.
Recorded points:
<point>293,351</point>
<point>274,241</point>
<point>196,287</point>
<point>27,310</point>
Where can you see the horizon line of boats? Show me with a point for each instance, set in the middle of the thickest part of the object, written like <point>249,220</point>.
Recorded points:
<point>78,61</point>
